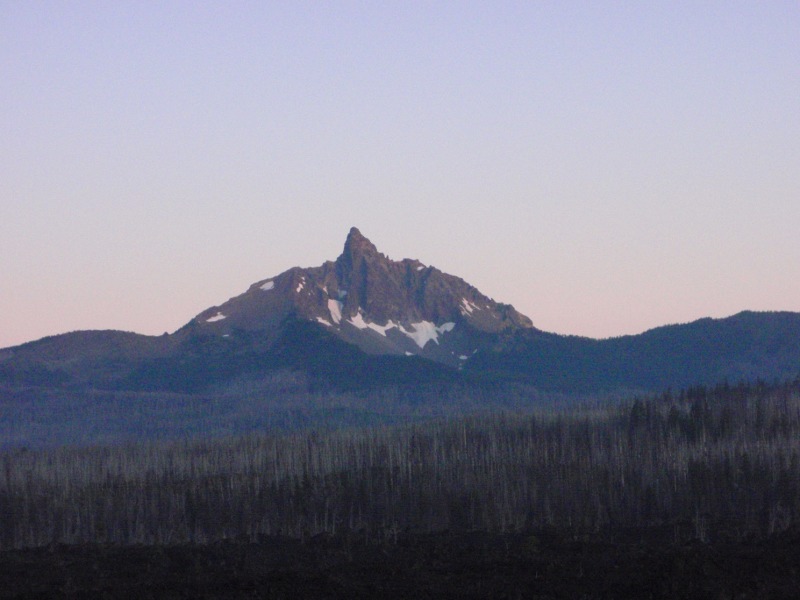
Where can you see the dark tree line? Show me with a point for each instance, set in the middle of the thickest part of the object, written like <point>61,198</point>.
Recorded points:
<point>704,462</point>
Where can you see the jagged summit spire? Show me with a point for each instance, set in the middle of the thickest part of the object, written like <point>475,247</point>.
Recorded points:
<point>358,252</point>
<point>356,244</point>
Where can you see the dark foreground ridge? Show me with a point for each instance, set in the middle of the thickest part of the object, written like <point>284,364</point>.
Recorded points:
<point>541,564</point>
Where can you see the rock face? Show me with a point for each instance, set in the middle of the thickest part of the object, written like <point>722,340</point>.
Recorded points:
<point>380,305</point>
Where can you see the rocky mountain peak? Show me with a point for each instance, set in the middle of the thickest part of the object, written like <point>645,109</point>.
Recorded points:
<point>358,245</point>
<point>357,249</point>
<point>357,269</point>
<point>381,305</point>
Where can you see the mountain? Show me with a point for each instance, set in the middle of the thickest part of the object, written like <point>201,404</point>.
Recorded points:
<point>366,322</point>
<point>747,347</point>
<point>362,320</point>
<point>381,306</point>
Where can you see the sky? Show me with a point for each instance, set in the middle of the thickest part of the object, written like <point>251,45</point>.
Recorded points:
<point>605,167</point>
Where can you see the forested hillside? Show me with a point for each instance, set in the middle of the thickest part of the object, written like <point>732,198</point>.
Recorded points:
<point>744,347</point>
<point>707,463</point>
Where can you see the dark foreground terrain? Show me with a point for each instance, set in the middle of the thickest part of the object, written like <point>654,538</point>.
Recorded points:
<point>446,565</point>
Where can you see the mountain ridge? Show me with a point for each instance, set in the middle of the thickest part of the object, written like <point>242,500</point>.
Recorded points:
<point>356,322</point>
<point>382,306</point>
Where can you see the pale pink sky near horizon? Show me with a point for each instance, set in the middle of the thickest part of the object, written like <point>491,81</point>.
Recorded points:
<point>604,167</point>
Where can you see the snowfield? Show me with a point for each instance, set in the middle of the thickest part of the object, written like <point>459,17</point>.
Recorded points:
<point>425,331</point>
<point>359,322</point>
<point>467,307</point>
<point>335,308</point>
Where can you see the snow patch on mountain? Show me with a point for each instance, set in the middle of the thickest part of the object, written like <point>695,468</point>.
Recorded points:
<point>359,322</point>
<point>217,317</point>
<point>324,322</point>
<point>335,308</point>
<point>467,307</point>
<point>268,286</point>
<point>425,331</point>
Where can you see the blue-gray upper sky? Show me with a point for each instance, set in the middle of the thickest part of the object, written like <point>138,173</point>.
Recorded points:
<point>605,167</point>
